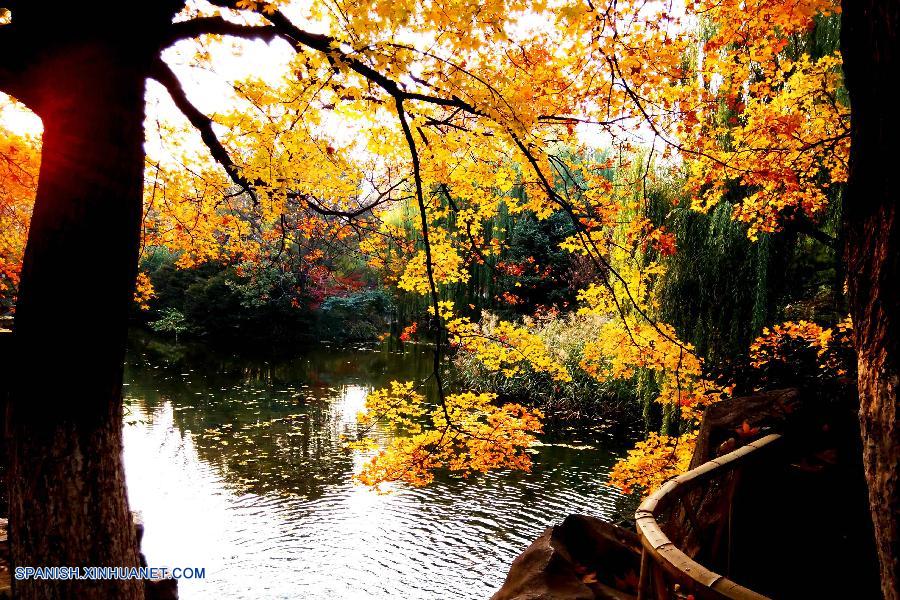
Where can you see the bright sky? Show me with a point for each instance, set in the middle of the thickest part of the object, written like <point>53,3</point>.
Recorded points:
<point>18,119</point>
<point>211,91</point>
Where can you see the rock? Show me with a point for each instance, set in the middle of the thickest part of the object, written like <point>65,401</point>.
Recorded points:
<point>138,522</point>
<point>581,559</point>
<point>541,573</point>
<point>154,589</point>
<point>161,589</point>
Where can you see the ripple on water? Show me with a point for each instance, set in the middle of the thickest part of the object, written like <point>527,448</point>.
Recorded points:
<point>450,540</point>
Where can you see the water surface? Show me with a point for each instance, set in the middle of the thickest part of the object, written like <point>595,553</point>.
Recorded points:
<point>238,466</point>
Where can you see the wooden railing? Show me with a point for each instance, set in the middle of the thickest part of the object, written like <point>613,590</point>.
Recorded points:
<point>666,570</point>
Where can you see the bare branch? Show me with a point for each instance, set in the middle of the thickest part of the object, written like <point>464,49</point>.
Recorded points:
<point>194,28</point>
<point>162,73</point>
<point>803,224</point>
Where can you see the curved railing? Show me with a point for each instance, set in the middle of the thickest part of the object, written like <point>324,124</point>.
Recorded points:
<point>665,568</point>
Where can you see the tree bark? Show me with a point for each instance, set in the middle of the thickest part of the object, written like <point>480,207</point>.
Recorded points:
<point>82,68</point>
<point>64,424</point>
<point>869,43</point>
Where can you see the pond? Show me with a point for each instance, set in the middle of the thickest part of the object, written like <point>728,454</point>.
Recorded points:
<point>238,466</point>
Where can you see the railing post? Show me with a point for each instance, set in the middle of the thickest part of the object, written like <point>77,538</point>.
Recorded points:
<point>732,489</point>
<point>646,576</point>
<point>660,582</point>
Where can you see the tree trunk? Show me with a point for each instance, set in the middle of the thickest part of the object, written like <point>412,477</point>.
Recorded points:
<point>869,43</point>
<point>68,505</point>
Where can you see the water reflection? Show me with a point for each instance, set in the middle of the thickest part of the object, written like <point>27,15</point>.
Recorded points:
<point>238,466</point>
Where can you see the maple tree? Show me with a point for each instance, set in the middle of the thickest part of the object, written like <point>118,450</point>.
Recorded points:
<point>456,111</point>
<point>753,111</point>
<point>468,433</point>
<point>782,110</point>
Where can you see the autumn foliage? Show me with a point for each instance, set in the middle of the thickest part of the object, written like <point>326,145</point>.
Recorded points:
<point>468,433</point>
<point>19,163</point>
<point>403,128</point>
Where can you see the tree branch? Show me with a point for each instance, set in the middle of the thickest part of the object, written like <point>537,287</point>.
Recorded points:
<point>194,28</point>
<point>803,224</point>
<point>162,73</point>
<point>326,44</point>
<point>383,198</point>
<point>15,56</point>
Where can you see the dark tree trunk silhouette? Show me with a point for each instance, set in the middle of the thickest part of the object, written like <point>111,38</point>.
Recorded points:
<point>67,488</point>
<point>869,42</point>
<point>83,72</point>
